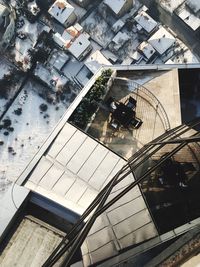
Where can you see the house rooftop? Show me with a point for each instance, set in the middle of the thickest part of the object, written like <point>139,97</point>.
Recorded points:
<point>189,18</point>
<point>118,25</point>
<point>194,5</point>
<point>61,10</point>
<point>162,40</point>
<point>79,45</point>
<point>147,49</point>
<point>145,21</point>
<point>95,61</point>
<point>116,6</point>
<point>50,76</point>
<point>120,39</point>
<point>58,59</point>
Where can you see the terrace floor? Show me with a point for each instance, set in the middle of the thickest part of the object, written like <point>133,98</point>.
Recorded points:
<point>162,94</point>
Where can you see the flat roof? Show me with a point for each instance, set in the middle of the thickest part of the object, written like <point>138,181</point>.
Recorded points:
<point>194,5</point>
<point>147,49</point>
<point>58,59</point>
<point>79,45</point>
<point>145,21</point>
<point>190,19</point>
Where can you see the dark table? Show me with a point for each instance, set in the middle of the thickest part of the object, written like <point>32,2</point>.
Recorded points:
<point>123,115</point>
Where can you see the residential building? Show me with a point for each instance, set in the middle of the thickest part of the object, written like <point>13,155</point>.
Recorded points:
<point>162,40</point>
<point>147,23</point>
<point>80,47</point>
<point>147,50</point>
<point>119,7</point>
<point>58,59</point>
<point>194,6</point>
<point>95,61</point>
<point>63,12</point>
<point>50,76</point>
<point>119,40</point>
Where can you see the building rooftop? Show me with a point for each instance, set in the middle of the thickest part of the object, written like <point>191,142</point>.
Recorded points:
<point>146,22</point>
<point>61,10</point>
<point>194,5</point>
<point>162,40</point>
<point>117,6</point>
<point>189,18</point>
<point>147,49</point>
<point>79,45</point>
<point>72,167</point>
<point>118,25</point>
<point>50,76</point>
<point>95,61</point>
<point>58,59</point>
<point>120,39</point>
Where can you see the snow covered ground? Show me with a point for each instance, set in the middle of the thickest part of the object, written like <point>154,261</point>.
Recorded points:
<point>170,5</point>
<point>31,128</point>
<point>31,31</point>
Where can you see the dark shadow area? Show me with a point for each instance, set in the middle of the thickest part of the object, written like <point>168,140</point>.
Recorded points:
<point>189,82</point>
<point>172,191</point>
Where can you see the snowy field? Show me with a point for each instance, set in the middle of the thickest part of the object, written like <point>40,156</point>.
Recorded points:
<point>170,5</point>
<point>31,31</point>
<point>28,130</point>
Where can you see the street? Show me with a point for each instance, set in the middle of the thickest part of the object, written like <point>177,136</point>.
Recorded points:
<point>172,21</point>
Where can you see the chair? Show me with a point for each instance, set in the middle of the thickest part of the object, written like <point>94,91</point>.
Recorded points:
<point>111,104</point>
<point>131,103</point>
<point>109,101</point>
<point>136,123</point>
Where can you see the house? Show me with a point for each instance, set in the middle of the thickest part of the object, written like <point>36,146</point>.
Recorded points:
<point>147,50</point>
<point>51,77</point>
<point>4,12</point>
<point>119,40</point>
<point>82,3</point>
<point>162,40</point>
<point>63,12</point>
<point>58,59</point>
<point>190,19</point>
<point>189,13</point>
<point>137,57</point>
<point>117,25</point>
<point>194,6</point>
<point>80,47</point>
<point>68,35</point>
<point>95,61</point>
<point>147,23</point>
<point>119,7</point>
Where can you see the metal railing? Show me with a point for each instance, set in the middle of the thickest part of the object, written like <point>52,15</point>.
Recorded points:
<point>74,239</point>
<point>153,100</point>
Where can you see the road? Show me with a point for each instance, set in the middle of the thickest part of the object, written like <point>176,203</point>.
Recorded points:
<point>182,31</point>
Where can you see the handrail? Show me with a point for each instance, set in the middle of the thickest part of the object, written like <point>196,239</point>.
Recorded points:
<point>138,87</point>
<point>161,111</point>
